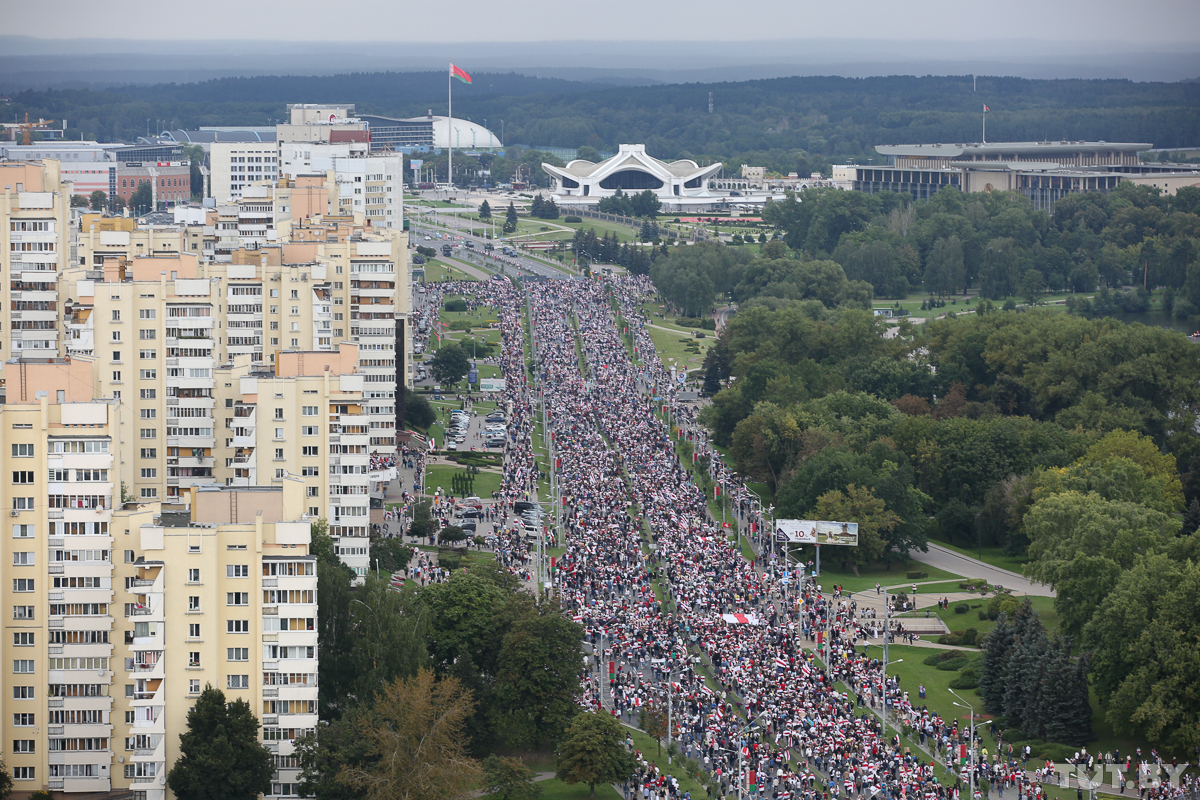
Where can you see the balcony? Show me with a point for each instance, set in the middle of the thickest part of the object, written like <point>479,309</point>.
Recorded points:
<point>135,582</point>
<point>54,513</point>
<point>139,612</point>
<point>272,692</point>
<point>55,702</point>
<point>270,720</point>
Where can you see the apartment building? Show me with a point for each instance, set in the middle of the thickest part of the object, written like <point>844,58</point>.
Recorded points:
<point>225,596</point>
<point>117,614</point>
<point>60,483</point>
<point>39,244</point>
<point>235,166</point>
<point>303,418</point>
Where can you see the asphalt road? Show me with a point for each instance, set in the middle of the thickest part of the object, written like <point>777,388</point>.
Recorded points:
<point>527,264</point>
<point>968,567</point>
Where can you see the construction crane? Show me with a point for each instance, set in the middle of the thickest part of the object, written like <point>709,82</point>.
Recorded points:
<point>28,126</point>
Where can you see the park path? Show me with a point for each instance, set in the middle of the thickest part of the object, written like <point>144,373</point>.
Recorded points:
<point>946,559</point>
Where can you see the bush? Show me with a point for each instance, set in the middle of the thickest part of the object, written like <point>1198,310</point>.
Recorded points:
<point>952,664</point>
<point>916,576</point>
<point>965,682</point>
<point>967,638</point>
<point>983,615</point>
<point>1054,752</point>
<point>1003,603</point>
<point>457,304</point>
<point>961,608</point>
<point>572,218</point>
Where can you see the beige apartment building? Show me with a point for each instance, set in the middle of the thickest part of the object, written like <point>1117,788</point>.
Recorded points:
<point>38,246</point>
<point>118,614</point>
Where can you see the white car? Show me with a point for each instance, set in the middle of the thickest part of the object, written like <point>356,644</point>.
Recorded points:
<point>452,445</point>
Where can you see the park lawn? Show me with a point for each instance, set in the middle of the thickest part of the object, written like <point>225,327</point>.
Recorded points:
<point>870,574</point>
<point>623,232</point>
<point>554,789</point>
<point>959,622</point>
<point>437,271</point>
<point>441,474</point>
<point>991,555</point>
<point>649,748</point>
<point>670,347</point>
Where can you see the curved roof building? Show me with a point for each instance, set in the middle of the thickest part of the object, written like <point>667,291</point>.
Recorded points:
<point>632,171</point>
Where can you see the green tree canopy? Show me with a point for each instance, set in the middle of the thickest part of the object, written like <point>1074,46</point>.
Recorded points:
<point>592,751</point>
<point>220,757</point>
<point>449,364</point>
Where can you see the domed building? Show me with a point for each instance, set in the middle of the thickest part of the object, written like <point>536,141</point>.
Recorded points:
<point>631,170</point>
<point>429,131</point>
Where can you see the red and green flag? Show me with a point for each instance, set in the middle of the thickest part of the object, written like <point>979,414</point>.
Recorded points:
<point>461,74</point>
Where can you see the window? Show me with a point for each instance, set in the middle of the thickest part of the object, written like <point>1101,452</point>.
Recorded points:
<point>194,658</point>
<point>310,430</point>
<point>149,493</point>
<point>23,559</point>
<point>310,450</point>
<point>116,337</point>
<point>22,531</point>
<point>237,653</point>
<point>237,598</point>
<point>149,433</point>
<point>129,717</point>
<point>147,313</point>
<point>22,584</point>
<point>23,639</point>
<point>23,666</point>
<point>308,411</point>
<point>22,503</point>
<point>129,557</point>
<point>149,472</point>
<point>149,355</point>
<point>237,626</point>
<point>149,374</point>
<point>23,693</point>
<point>116,376</point>
<point>23,476</point>
<point>193,575</point>
<point>194,686</point>
<point>23,746</point>
<point>23,720</point>
<point>148,394</point>
<point>194,603</point>
<point>237,681</point>
<point>147,333</point>
<point>280,472</point>
<point>237,570</point>
<point>278,414</point>
<point>310,472</point>
<point>23,773</point>
<point>314,511</point>
<point>149,413</point>
<point>311,491</point>
<point>22,451</point>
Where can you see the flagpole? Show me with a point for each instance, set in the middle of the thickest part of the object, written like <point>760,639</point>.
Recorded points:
<point>985,125</point>
<point>449,127</point>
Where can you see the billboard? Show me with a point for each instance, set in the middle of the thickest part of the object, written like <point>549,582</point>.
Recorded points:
<point>491,384</point>
<point>808,531</point>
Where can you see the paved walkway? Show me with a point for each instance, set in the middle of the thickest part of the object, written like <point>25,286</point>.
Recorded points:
<point>946,559</point>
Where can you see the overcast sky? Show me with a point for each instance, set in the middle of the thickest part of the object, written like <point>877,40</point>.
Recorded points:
<point>1149,23</point>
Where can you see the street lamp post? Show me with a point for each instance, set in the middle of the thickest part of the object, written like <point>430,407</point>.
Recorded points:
<point>742,782</point>
<point>971,745</point>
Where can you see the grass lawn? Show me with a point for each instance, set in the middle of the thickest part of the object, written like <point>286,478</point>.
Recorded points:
<point>991,555</point>
<point>440,475</point>
<point>437,271</point>
<point>623,232</point>
<point>649,750</point>
<point>554,789</point>
<point>871,574</point>
<point>670,346</point>
<point>1044,606</point>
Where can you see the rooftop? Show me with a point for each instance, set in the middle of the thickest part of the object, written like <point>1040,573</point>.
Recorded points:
<point>1015,148</point>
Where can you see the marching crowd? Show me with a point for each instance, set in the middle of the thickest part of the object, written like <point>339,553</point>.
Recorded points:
<point>767,676</point>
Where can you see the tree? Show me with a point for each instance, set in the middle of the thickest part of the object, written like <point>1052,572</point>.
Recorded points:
<point>449,364</point>
<point>323,757</point>
<point>220,757</point>
<point>417,736</point>
<point>510,219</point>
<point>485,210</point>
<point>509,779</point>
<point>874,521</point>
<point>417,410</point>
<point>142,201</point>
<point>98,198</point>
<point>6,781</point>
<point>79,201</point>
<point>1144,638</point>
<point>593,751</point>
<point>540,663</point>
<point>390,554</point>
<point>653,720</point>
